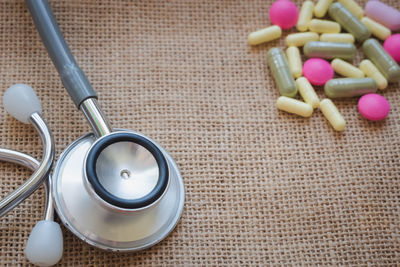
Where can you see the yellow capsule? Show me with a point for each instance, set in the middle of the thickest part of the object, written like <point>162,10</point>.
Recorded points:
<point>307,92</point>
<point>332,114</point>
<point>294,106</point>
<point>346,69</point>
<point>337,37</point>
<point>371,71</point>
<point>265,35</point>
<point>321,7</point>
<point>353,7</point>
<point>324,26</point>
<point>305,15</point>
<point>376,28</point>
<point>300,39</point>
<point>294,59</point>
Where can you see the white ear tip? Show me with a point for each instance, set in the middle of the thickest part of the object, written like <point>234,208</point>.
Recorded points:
<point>21,102</point>
<point>45,244</point>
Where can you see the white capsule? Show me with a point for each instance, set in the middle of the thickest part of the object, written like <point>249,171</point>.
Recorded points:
<point>294,106</point>
<point>332,114</point>
<point>353,7</point>
<point>307,92</point>
<point>376,28</point>
<point>371,71</point>
<point>337,37</point>
<point>294,60</point>
<point>300,39</point>
<point>265,35</point>
<point>321,8</point>
<point>305,15</point>
<point>324,26</point>
<point>346,69</point>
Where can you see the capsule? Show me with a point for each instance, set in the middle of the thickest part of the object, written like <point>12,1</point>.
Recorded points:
<point>300,39</point>
<point>294,106</point>
<point>349,87</point>
<point>305,15</point>
<point>307,92</point>
<point>337,37</point>
<point>265,35</point>
<point>330,50</point>
<point>281,72</point>
<point>346,69</point>
<point>332,114</point>
<point>294,59</point>
<point>321,7</point>
<point>371,71</point>
<point>324,26</point>
<point>382,60</point>
<point>349,22</point>
<point>376,28</point>
<point>353,7</point>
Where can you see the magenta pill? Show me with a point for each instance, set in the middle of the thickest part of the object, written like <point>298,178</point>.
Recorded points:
<point>373,107</point>
<point>392,46</point>
<point>317,71</point>
<point>384,14</point>
<point>284,13</point>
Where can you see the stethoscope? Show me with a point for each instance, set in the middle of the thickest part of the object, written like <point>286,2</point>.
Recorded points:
<point>115,189</point>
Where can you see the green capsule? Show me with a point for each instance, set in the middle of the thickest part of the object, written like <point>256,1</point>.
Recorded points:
<point>349,22</point>
<point>383,61</point>
<point>349,87</point>
<point>330,50</point>
<point>283,77</point>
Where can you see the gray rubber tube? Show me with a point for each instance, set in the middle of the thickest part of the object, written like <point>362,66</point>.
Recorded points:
<point>72,77</point>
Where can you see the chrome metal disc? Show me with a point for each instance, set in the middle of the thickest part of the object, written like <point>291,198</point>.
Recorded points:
<point>127,170</point>
<point>95,223</point>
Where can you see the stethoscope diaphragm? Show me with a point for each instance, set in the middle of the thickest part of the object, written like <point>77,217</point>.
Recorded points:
<point>127,170</point>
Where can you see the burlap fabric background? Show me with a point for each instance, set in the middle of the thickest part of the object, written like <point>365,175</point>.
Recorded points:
<point>263,187</point>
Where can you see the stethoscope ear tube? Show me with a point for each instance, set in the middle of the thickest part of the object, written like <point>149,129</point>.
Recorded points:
<point>37,178</point>
<point>45,243</point>
<point>72,77</point>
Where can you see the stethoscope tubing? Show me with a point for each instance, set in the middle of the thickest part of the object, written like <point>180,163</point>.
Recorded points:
<point>72,77</point>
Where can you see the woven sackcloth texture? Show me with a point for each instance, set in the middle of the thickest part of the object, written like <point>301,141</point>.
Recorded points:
<point>263,187</point>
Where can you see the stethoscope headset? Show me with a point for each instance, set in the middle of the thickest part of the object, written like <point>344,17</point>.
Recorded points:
<point>115,189</point>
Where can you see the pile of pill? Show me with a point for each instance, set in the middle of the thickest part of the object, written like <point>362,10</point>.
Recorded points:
<point>328,51</point>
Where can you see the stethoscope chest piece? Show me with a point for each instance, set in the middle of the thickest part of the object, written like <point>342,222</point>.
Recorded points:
<point>116,190</point>
<point>121,192</point>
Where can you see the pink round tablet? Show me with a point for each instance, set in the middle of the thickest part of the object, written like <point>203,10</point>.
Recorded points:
<point>317,71</point>
<point>284,13</point>
<point>373,107</point>
<point>392,46</point>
